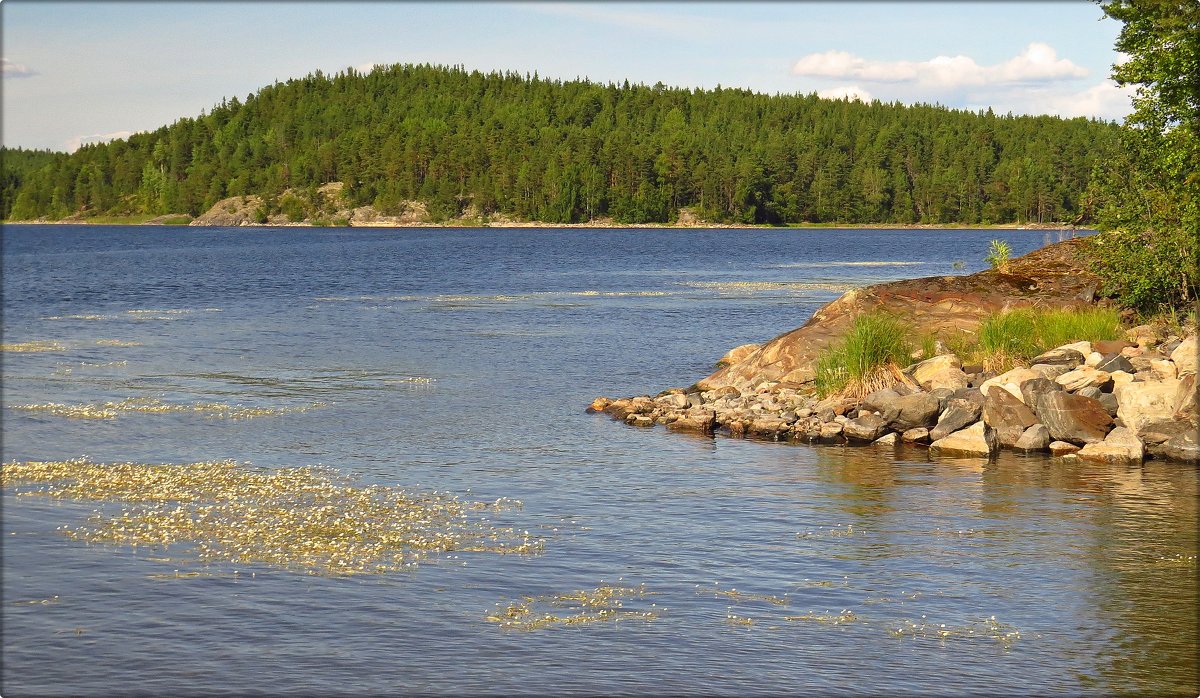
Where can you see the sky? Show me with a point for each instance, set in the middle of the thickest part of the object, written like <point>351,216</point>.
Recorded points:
<point>81,72</point>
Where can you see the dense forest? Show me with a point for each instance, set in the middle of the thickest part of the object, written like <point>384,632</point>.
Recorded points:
<point>573,151</point>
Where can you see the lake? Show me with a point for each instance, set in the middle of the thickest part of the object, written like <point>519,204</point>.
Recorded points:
<point>461,361</point>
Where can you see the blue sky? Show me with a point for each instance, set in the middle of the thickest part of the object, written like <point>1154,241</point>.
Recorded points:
<point>84,71</point>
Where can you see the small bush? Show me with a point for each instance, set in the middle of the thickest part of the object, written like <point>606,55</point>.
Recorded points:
<point>860,363</point>
<point>998,255</point>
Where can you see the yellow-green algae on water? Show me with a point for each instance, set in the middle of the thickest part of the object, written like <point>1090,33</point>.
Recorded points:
<point>111,410</point>
<point>32,347</point>
<point>305,519</point>
<point>599,605</point>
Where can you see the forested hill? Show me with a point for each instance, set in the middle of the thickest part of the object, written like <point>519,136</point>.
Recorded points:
<point>557,151</point>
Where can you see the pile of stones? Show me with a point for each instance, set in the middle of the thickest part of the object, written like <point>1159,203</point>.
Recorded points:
<point>1113,401</point>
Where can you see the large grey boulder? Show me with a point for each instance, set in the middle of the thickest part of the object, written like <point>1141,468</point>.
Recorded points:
<point>1035,438</point>
<point>960,411</point>
<point>865,427</point>
<point>1120,446</point>
<point>912,411</point>
<point>1031,390</point>
<point>1143,404</point>
<point>1074,418</point>
<point>1061,357</point>
<point>1115,362</point>
<point>1007,416</point>
<point>975,440</point>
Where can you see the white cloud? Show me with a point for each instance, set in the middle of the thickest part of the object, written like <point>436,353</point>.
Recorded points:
<point>79,141</point>
<point>366,68</point>
<point>846,92</point>
<point>1106,100</point>
<point>15,70</point>
<point>1037,63</point>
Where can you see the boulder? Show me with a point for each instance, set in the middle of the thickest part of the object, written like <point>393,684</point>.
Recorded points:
<point>736,354</point>
<point>831,432</point>
<point>1120,446</point>
<point>1110,403</point>
<point>1184,356</point>
<point>1033,389</point>
<point>880,401</point>
<point>1185,399</point>
<point>921,371</point>
<point>951,378</point>
<point>1010,381</point>
<point>1142,404</point>
<point>886,440</point>
<point>1164,368</point>
<point>1050,371</point>
<point>1062,448</point>
<point>769,426</point>
<point>1109,346</point>
<point>1035,438</point>
<point>698,420</point>
<point>1142,335</point>
<point>1074,418</point>
<point>1007,416</point>
<point>1093,359</point>
<point>960,412</point>
<point>1084,348</point>
<point>1083,377</point>
<point>1115,362</point>
<point>673,400</point>
<point>1181,447</point>
<point>867,427</point>
<point>911,411</point>
<point>920,435</point>
<point>975,440</point>
<point>1060,357</point>
<point>599,404</point>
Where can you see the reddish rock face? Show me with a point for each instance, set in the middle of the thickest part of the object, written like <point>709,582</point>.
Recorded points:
<point>1055,276</point>
<point>1074,418</point>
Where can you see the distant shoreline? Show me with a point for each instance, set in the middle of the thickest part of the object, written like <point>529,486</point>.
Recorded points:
<point>596,225</point>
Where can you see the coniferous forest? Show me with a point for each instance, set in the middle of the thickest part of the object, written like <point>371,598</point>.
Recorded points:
<point>563,152</point>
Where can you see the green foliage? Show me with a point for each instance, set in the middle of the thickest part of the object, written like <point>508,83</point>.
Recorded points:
<point>574,151</point>
<point>998,255</point>
<point>1145,193</point>
<point>853,365</point>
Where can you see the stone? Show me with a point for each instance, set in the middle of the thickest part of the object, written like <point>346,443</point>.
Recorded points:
<point>1062,448</point>
<point>1142,404</point>
<point>1074,418</point>
<point>886,440</point>
<point>674,400</point>
<point>698,420</point>
<point>880,400</point>
<point>867,427</point>
<point>1093,359</point>
<point>1050,371</point>
<point>1164,368</point>
<point>920,435</point>
<point>1184,356</point>
<point>1120,377</point>
<point>1115,362</point>
<point>924,371</point>
<point>1142,335</point>
<point>736,354</point>
<point>1181,447</point>
<point>1185,399</point>
<point>1109,346</point>
<point>769,427</point>
<point>1084,377</point>
<point>1007,416</point>
<point>831,432</point>
<point>960,412</point>
<point>1091,391</point>
<point>1031,390</point>
<point>599,404</point>
<point>639,420</point>
<point>1120,446</point>
<point>1035,438</point>
<point>1010,381</point>
<point>1084,348</point>
<point>948,378</point>
<point>911,411</point>
<point>1145,361</point>
<point>1061,357</point>
<point>975,440</point>
<point>1109,401</point>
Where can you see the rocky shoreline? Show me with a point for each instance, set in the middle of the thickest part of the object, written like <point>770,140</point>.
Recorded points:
<point>1114,401</point>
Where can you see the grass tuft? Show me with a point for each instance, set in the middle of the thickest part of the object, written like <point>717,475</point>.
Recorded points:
<point>864,360</point>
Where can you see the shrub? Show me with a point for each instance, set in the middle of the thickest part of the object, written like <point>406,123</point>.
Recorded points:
<point>1015,336</point>
<point>862,361</point>
<point>998,255</point>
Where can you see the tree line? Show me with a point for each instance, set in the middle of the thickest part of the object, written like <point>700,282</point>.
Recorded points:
<point>572,151</point>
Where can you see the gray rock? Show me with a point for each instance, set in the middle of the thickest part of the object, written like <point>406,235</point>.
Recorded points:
<point>1110,403</point>
<point>831,432</point>
<point>1115,362</point>
<point>880,400</point>
<point>1062,448</point>
<point>1142,404</point>
<point>1035,438</point>
<point>975,440</point>
<point>960,412</point>
<point>1050,371</point>
<point>1007,416</point>
<point>1120,446</point>
<point>920,435</point>
<point>1181,447</point>
<point>866,427</point>
<point>1033,389</point>
<point>911,411</point>
<point>700,420</point>
<point>1091,391</point>
<point>1062,356</point>
<point>1074,418</point>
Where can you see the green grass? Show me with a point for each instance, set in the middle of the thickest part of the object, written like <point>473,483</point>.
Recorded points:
<point>858,364</point>
<point>1013,337</point>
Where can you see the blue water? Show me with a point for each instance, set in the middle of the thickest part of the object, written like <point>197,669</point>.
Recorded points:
<point>462,360</point>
